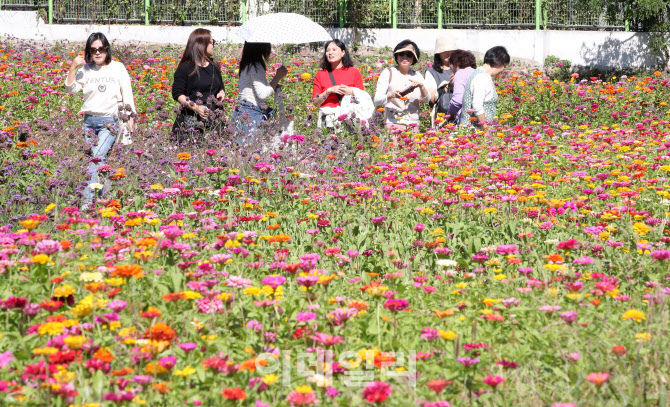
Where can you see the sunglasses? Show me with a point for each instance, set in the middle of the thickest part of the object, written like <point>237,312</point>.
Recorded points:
<point>102,50</point>
<point>213,42</point>
<point>406,54</point>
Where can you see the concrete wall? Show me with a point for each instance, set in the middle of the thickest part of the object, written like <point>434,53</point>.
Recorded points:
<point>594,49</point>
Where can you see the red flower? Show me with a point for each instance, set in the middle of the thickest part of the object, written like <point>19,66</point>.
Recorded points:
<point>619,350</point>
<point>438,385</point>
<point>234,394</point>
<point>377,392</point>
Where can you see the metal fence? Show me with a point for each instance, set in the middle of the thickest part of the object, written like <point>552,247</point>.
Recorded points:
<point>493,14</point>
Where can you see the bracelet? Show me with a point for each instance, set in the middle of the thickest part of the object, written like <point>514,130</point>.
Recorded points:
<point>324,96</point>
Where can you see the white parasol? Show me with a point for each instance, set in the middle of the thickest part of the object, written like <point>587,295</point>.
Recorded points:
<point>282,28</point>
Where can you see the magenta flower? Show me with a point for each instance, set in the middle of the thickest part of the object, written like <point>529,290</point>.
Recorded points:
<point>305,316</point>
<point>396,305</point>
<point>660,255</point>
<point>506,249</point>
<point>468,362</point>
<point>274,281</point>
<point>598,378</point>
<point>493,381</point>
<point>6,358</point>
<point>377,392</point>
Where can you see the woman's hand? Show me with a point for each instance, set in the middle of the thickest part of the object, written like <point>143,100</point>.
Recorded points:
<point>221,95</point>
<point>339,89</point>
<point>131,125</point>
<point>281,72</point>
<point>393,95</point>
<point>201,111</point>
<point>348,90</point>
<point>77,62</point>
<point>418,84</point>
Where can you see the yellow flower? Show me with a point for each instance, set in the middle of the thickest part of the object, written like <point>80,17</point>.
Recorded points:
<point>63,376</point>
<point>633,314</point>
<point>643,337</point>
<point>304,389</point>
<point>192,295</point>
<point>30,223</point>
<point>270,379</point>
<point>187,371</point>
<point>641,229</point>
<point>252,291</point>
<point>115,282</point>
<point>75,342</point>
<point>448,335</point>
<point>64,291</point>
<point>40,258</point>
<point>45,351</point>
<point>49,208</point>
<point>91,277</point>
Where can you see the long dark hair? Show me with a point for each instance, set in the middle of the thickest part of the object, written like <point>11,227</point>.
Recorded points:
<point>89,42</point>
<point>255,53</point>
<point>347,62</point>
<point>196,49</point>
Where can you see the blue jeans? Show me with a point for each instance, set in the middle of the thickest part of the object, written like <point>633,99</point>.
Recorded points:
<point>101,149</point>
<point>248,118</point>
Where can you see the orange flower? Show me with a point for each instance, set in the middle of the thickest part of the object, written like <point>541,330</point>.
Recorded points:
<point>123,372</point>
<point>173,297</point>
<point>556,258</point>
<point>184,156</point>
<point>161,332</point>
<point>358,304</point>
<point>162,388</point>
<point>274,227</point>
<point>104,355</point>
<point>128,270</point>
<point>445,313</point>
<point>279,238</point>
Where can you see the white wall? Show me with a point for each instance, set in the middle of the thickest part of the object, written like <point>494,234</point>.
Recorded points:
<point>595,49</point>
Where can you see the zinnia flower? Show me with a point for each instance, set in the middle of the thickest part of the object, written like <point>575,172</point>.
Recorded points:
<point>377,392</point>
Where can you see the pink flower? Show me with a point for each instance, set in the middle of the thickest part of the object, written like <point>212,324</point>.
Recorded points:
<point>573,357</point>
<point>505,249</point>
<point>660,255</point>
<point>569,317</point>
<point>377,392</point>
<point>598,378</point>
<point>296,398</point>
<point>419,227</point>
<point>305,316</point>
<point>493,381</point>
<point>430,334</point>
<point>327,340</point>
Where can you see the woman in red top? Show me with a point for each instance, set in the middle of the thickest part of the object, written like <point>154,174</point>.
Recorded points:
<point>336,61</point>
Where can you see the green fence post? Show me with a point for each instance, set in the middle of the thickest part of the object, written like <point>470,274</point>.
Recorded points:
<point>626,22</point>
<point>342,13</point>
<point>538,14</point>
<point>51,11</point>
<point>439,14</point>
<point>394,16</point>
<point>147,6</point>
<point>243,8</point>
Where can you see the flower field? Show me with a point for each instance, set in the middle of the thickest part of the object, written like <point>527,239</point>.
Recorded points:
<point>523,265</point>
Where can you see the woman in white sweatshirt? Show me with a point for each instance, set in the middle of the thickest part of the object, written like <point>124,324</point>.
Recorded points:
<point>107,92</point>
<point>253,90</point>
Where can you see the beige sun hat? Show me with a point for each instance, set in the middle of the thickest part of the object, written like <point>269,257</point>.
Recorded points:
<point>445,43</point>
<point>410,48</point>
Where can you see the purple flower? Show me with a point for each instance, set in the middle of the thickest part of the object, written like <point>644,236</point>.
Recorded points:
<point>117,305</point>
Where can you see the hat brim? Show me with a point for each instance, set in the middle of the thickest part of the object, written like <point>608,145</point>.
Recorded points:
<point>410,49</point>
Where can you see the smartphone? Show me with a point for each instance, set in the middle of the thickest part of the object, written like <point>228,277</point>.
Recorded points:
<point>407,90</point>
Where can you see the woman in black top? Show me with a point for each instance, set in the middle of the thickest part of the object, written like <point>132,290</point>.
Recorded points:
<point>198,85</point>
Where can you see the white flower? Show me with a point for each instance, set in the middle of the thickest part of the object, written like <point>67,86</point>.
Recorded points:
<point>551,241</point>
<point>446,263</point>
<point>95,185</point>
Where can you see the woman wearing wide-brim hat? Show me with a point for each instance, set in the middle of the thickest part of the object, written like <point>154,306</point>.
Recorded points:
<point>401,90</point>
<point>440,71</point>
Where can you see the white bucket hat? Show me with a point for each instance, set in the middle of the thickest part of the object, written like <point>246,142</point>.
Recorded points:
<point>445,43</point>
